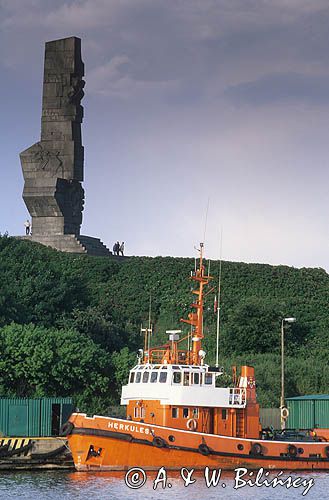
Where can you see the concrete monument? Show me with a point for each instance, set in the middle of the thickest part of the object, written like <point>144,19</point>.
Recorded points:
<point>53,167</point>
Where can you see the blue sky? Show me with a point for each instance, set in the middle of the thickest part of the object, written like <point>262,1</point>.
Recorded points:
<point>185,100</point>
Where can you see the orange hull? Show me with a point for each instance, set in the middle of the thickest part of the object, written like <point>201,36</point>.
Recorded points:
<point>101,443</point>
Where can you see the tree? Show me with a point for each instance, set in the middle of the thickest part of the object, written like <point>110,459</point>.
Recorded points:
<point>36,361</point>
<point>122,362</point>
<point>254,326</point>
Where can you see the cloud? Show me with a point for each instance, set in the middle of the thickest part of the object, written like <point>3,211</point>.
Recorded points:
<point>71,15</point>
<point>115,79</point>
<point>280,88</point>
<point>86,15</point>
<point>205,44</point>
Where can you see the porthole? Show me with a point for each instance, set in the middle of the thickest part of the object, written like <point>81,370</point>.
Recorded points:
<point>300,451</point>
<point>171,438</point>
<point>240,447</point>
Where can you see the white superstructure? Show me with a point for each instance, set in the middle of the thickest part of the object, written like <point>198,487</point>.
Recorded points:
<point>181,385</point>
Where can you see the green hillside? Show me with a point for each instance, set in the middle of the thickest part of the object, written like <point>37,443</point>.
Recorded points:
<point>69,325</point>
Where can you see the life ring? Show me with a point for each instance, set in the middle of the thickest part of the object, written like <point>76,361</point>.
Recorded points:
<point>326,451</point>
<point>191,424</point>
<point>204,449</point>
<point>256,449</point>
<point>284,413</point>
<point>66,429</point>
<point>158,442</point>
<point>292,450</point>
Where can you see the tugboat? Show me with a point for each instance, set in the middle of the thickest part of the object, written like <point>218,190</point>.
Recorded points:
<point>179,414</point>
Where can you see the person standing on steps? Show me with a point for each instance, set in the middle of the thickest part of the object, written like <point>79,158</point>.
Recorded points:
<point>116,248</point>
<point>122,248</point>
<point>27,226</point>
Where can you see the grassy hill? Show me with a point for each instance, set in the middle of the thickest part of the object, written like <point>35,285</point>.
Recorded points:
<point>70,324</point>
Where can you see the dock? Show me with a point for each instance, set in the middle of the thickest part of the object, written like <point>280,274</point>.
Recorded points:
<point>35,453</point>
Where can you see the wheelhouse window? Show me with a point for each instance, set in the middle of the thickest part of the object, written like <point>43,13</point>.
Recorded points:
<point>132,377</point>
<point>186,378</point>
<point>145,378</point>
<point>196,378</point>
<point>195,413</point>
<point>208,378</point>
<point>154,377</point>
<point>143,412</point>
<point>136,412</point>
<point>174,412</point>
<point>185,412</point>
<point>138,377</point>
<point>177,377</point>
<point>163,377</point>
<point>224,414</point>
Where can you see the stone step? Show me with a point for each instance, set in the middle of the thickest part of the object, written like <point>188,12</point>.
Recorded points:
<point>73,244</point>
<point>94,246</point>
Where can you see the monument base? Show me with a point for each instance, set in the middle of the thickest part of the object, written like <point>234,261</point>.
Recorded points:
<point>72,244</point>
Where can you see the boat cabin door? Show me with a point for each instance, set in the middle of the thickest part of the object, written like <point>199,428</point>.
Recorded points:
<point>207,420</point>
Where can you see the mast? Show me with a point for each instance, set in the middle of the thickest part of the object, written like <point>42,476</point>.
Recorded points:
<point>195,319</point>
<point>170,353</point>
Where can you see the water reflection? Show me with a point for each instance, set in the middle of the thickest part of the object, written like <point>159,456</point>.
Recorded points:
<point>111,485</point>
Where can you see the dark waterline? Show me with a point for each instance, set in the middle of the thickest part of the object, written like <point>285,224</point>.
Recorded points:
<point>61,484</point>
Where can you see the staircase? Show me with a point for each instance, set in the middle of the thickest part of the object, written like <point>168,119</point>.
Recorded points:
<point>73,244</point>
<point>94,246</point>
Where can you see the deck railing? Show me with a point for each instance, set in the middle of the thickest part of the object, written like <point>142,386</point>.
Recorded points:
<point>159,356</point>
<point>237,396</point>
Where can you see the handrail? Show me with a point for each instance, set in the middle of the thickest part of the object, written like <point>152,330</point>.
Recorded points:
<point>182,357</point>
<point>237,396</point>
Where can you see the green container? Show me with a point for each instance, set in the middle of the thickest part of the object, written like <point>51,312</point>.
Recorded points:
<point>54,413</point>
<point>308,412</point>
<point>20,417</point>
<point>321,410</point>
<point>33,418</point>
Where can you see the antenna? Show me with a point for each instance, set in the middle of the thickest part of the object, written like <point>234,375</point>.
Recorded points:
<point>149,326</point>
<point>205,224</point>
<point>219,292</point>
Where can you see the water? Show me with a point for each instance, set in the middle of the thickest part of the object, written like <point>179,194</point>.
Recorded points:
<point>77,485</point>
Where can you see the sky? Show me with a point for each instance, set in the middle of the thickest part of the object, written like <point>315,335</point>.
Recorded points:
<point>200,117</point>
